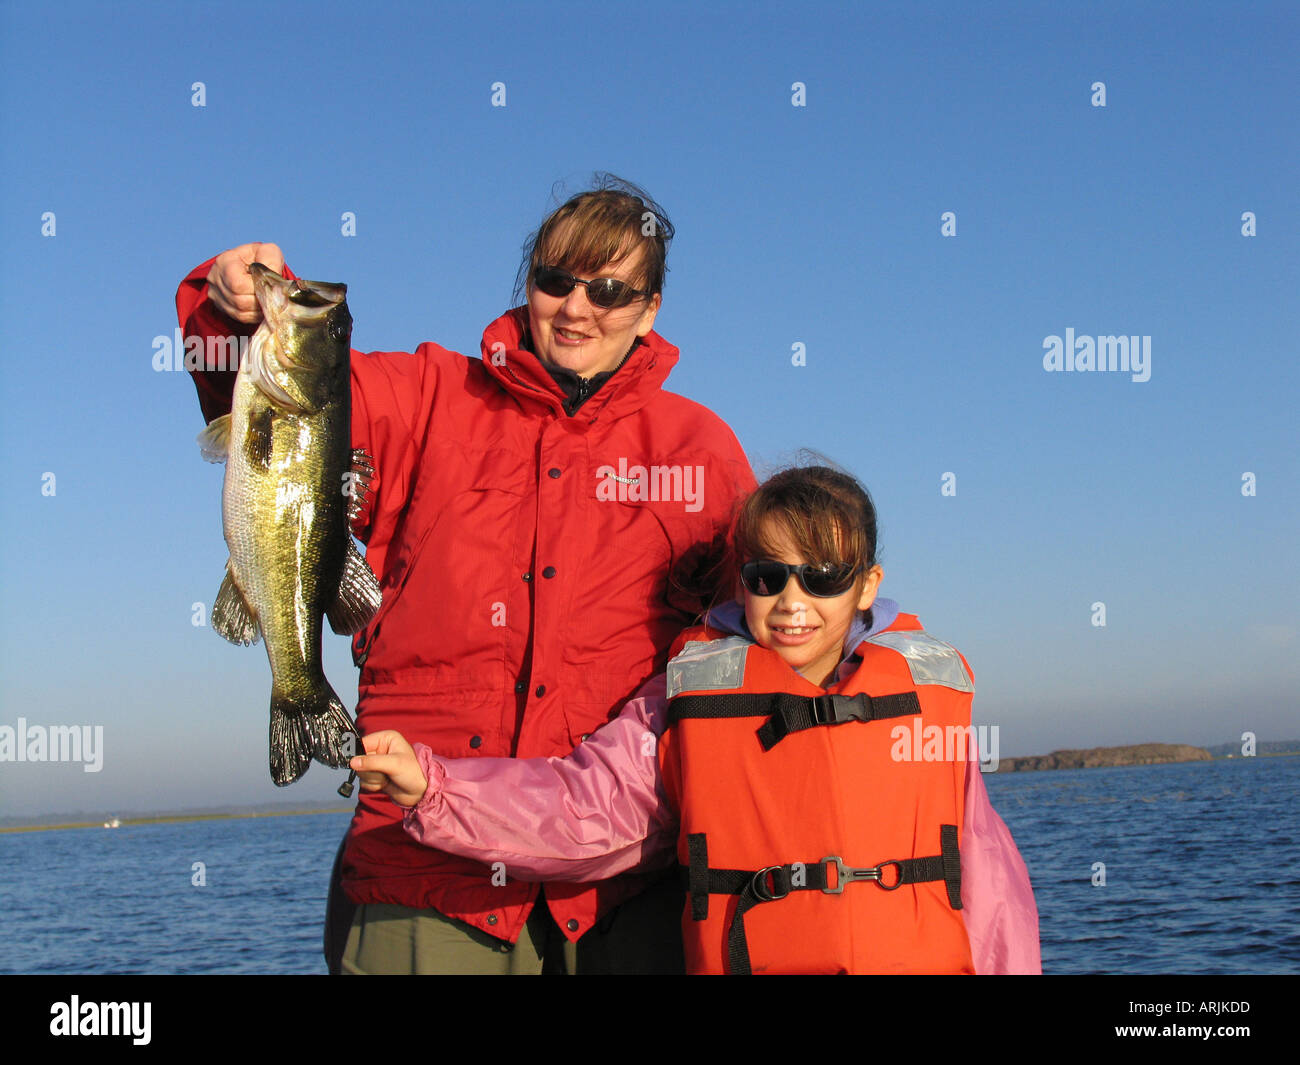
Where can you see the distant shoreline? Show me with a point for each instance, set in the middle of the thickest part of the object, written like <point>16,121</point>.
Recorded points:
<point>1134,754</point>
<point>1101,757</point>
<point>163,819</point>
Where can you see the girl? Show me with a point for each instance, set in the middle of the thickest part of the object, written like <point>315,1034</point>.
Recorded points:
<point>806,753</point>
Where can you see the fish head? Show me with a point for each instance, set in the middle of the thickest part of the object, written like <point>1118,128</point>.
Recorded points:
<point>299,355</point>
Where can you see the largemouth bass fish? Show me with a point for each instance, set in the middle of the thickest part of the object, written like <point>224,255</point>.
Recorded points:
<point>292,486</point>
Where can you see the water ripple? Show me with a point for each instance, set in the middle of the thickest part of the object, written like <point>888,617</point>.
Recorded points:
<point>1149,869</point>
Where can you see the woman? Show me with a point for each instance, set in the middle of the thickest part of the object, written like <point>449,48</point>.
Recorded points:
<point>544,521</point>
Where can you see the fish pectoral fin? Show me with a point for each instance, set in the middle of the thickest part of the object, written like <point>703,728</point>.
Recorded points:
<point>231,616</point>
<point>359,595</point>
<point>259,440</point>
<point>214,441</point>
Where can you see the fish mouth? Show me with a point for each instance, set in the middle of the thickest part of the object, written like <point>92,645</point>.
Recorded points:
<point>318,293</point>
<point>310,299</point>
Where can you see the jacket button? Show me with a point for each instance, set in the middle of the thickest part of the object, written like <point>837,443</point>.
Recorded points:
<point>584,736</point>
<point>541,690</point>
<point>548,572</point>
<point>554,471</point>
<point>528,576</point>
<point>476,741</point>
<point>520,688</point>
<point>571,925</point>
<point>492,918</point>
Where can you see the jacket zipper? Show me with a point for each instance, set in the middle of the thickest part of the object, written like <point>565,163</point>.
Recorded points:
<point>579,397</point>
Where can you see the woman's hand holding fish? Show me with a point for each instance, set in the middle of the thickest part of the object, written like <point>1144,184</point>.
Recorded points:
<point>389,765</point>
<point>230,285</point>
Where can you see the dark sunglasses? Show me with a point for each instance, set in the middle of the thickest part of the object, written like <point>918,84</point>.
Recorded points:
<point>829,579</point>
<point>605,292</point>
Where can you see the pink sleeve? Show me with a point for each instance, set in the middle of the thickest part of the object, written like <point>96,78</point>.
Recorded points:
<point>997,899</point>
<point>595,813</point>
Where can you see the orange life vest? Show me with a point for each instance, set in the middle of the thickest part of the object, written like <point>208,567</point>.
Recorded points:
<point>820,827</point>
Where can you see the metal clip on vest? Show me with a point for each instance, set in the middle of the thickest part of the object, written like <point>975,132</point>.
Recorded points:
<point>845,873</point>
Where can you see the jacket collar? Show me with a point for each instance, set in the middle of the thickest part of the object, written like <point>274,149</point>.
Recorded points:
<point>521,373</point>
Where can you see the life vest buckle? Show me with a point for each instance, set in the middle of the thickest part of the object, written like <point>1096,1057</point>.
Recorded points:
<point>780,875</point>
<point>835,709</point>
<point>845,873</point>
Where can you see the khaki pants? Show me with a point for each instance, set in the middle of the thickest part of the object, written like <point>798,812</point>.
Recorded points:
<point>641,936</point>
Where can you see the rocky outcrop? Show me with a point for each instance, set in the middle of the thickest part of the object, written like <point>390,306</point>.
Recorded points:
<point>1096,757</point>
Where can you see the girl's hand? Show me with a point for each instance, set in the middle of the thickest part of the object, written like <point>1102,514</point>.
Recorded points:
<point>389,765</point>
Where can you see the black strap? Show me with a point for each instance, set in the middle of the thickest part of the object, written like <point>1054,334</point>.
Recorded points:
<point>777,881</point>
<point>731,704</point>
<point>698,885</point>
<point>835,710</point>
<point>951,864</point>
<point>788,713</point>
<point>737,944</point>
<point>753,887</point>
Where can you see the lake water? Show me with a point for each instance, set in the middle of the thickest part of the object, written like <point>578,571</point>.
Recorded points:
<point>1201,875</point>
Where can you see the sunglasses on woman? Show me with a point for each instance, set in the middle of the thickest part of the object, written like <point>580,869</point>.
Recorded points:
<point>824,580</point>
<point>604,292</point>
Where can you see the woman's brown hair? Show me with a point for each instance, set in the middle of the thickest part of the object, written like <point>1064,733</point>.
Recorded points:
<point>608,222</point>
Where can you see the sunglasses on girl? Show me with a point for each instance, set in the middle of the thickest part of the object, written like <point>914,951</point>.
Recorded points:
<point>605,292</point>
<point>824,580</point>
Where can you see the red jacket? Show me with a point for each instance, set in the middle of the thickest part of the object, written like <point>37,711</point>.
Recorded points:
<point>529,590</point>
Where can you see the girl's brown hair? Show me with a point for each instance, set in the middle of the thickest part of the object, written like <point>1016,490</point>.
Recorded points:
<point>827,514</point>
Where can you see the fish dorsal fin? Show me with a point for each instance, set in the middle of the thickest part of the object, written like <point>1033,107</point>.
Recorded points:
<point>214,441</point>
<point>362,471</point>
<point>359,595</point>
<point>231,617</point>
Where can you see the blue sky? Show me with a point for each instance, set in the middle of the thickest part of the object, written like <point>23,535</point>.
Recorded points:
<point>817,225</point>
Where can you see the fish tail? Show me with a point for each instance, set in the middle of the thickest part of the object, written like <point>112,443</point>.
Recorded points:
<point>321,729</point>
